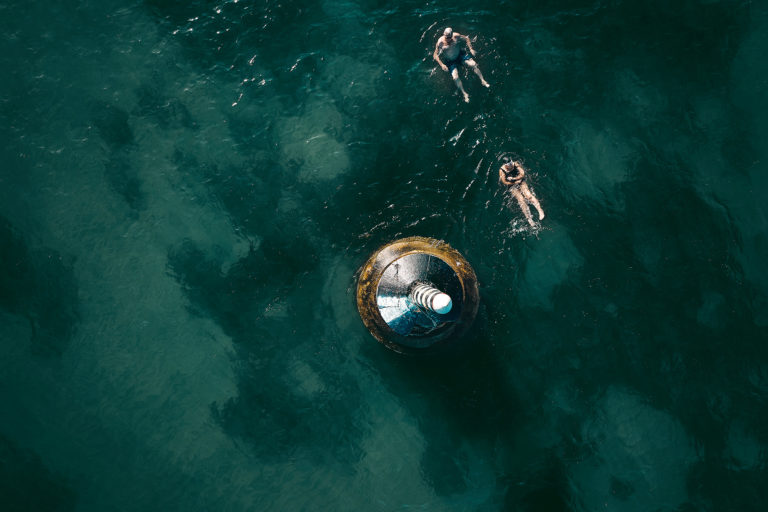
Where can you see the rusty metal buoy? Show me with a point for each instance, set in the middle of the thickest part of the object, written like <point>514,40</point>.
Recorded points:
<point>417,295</point>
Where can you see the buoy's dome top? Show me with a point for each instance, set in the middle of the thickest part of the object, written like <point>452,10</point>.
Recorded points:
<point>442,303</point>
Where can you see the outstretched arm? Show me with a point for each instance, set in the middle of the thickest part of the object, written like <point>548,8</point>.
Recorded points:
<point>469,44</point>
<point>436,56</point>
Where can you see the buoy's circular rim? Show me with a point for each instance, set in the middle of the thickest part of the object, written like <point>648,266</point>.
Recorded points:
<point>384,256</point>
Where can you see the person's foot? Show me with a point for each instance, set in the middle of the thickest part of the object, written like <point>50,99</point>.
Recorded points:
<point>466,98</point>
<point>485,84</point>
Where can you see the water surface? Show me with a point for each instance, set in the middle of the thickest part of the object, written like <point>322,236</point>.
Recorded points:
<point>188,189</point>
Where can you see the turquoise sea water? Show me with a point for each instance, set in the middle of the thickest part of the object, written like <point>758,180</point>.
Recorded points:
<point>187,190</point>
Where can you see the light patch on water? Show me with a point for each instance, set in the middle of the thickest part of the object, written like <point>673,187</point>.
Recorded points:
<point>758,379</point>
<point>339,292</point>
<point>712,312</point>
<point>562,398</point>
<point>128,385</point>
<point>598,161</point>
<point>277,309</point>
<point>344,11</point>
<point>547,51</point>
<point>353,79</point>
<point>182,207</point>
<point>15,331</point>
<point>710,116</point>
<point>290,201</point>
<point>749,76</point>
<point>386,477</point>
<point>646,103</point>
<point>394,482</point>
<point>549,264</point>
<point>742,450</point>
<point>750,69</point>
<point>311,141</point>
<point>306,381</point>
<point>641,457</point>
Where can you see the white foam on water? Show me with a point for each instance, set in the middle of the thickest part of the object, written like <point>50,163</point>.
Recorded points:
<point>641,457</point>
<point>517,226</point>
<point>548,265</point>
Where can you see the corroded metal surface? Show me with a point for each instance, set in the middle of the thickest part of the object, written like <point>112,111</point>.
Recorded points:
<point>374,268</point>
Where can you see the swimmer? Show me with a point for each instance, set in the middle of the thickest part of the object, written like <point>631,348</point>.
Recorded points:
<point>512,175</point>
<point>450,55</point>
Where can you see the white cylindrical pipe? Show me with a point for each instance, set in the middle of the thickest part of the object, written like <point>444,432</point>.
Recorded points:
<point>431,298</point>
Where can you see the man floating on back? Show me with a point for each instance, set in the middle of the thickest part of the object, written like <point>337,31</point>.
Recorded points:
<point>450,54</point>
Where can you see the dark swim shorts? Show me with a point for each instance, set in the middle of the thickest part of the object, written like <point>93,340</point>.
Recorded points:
<point>453,64</point>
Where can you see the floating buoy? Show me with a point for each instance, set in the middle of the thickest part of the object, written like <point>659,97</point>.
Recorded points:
<point>417,294</point>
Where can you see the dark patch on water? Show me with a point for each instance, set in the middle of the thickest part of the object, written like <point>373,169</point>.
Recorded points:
<point>444,470</point>
<point>462,400</point>
<point>280,424</point>
<point>714,487</point>
<point>123,179</point>
<point>26,485</point>
<point>663,329</point>
<point>544,490</point>
<point>112,123</point>
<point>621,488</point>
<point>242,190</point>
<point>271,413</point>
<point>38,284</point>
<point>168,112</point>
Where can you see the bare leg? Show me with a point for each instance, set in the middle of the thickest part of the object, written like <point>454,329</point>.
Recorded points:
<point>523,205</point>
<point>532,198</point>
<point>455,76</point>
<point>472,64</point>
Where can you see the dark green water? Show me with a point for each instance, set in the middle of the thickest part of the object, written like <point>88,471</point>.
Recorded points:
<point>188,188</point>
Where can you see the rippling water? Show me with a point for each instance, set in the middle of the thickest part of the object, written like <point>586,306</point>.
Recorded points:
<point>187,190</point>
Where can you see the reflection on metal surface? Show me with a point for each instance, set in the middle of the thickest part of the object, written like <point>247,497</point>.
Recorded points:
<point>417,294</point>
